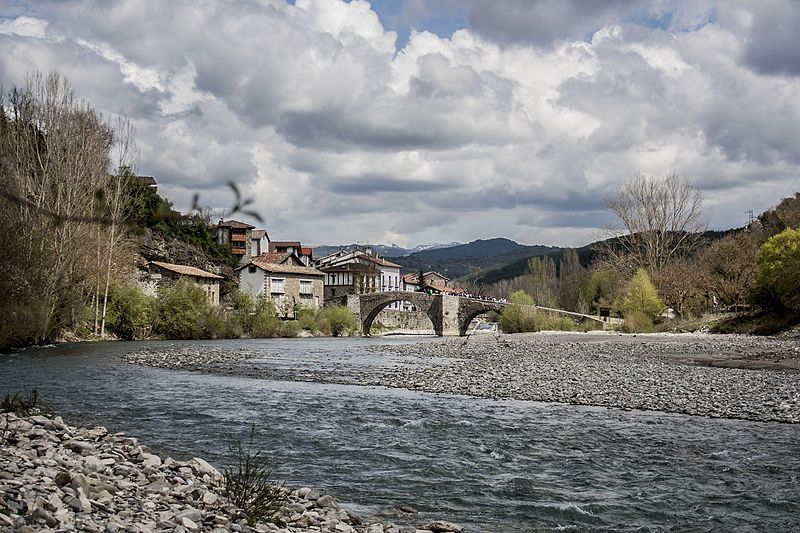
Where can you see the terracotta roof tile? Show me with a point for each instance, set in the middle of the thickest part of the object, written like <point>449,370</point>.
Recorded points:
<point>286,269</point>
<point>234,224</point>
<point>185,270</point>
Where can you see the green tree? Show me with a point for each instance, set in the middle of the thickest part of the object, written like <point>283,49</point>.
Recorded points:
<point>181,309</point>
<point>779,270</point>
<point>130,312</point>
<point>641,303</point>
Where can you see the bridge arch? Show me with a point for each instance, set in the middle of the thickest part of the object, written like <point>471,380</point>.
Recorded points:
<point>372,304</point>
<point>469,308</point>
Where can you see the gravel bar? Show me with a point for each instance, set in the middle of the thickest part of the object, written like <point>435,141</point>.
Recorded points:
<point>730,376</point>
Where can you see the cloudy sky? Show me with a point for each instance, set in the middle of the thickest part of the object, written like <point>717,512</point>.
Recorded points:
<point>416,121</point>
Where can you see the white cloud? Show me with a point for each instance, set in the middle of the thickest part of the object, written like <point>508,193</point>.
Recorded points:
<point>341,138</point>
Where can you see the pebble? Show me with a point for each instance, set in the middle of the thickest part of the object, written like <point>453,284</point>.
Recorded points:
<point>56,486</point>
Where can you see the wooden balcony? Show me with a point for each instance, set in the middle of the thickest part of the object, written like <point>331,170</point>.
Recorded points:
<point>238,237</point>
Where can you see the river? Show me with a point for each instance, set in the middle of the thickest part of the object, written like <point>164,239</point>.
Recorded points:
<point>499,466</point>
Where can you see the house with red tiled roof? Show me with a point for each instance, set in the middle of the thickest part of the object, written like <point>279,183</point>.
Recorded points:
<point>237,235</point>
<point>285,279</point>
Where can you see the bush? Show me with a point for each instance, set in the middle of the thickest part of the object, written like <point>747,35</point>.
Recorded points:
<point>519,316</point>
<point>130,311</point>
<point>638,322</point>
<point>181,310</point>
<point>243,307</point>
<point>778,285</point>
<point>265,323</point>
<point>641,298</point>
<point>306,319</point>
<point>336,320</point>
<point>21,405</point>
<point>289,329</point>
<point>248,483</point>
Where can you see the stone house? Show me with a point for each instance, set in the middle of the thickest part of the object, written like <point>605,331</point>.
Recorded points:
<point>237,235</point>
<point>160,273</point>
<point>288,282</point>
<point>304,253</point>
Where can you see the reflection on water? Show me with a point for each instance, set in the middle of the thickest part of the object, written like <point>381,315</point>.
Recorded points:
<point>493,466</point>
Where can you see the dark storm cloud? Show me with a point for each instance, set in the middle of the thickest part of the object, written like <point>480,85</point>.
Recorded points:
<point>773,44</point>
<point>372,184</point>
<point>541,22</point>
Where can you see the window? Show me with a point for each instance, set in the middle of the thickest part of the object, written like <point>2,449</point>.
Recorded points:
<point>305,286</point>
<point>251,269</point>
<point>277,285</point>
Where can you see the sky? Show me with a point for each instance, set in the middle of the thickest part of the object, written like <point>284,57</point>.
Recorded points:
<point>422,121</point>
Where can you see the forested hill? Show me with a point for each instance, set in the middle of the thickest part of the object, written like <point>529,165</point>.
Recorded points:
<point>586,256</point>
<point>458,261</point>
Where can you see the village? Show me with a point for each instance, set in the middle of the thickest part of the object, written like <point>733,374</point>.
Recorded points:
<point>287,273</point>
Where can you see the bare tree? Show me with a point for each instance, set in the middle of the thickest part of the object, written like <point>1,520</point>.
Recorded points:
<point>660,219</point>
<point>54,158</point>
<point>116,196</point>
<point>570,275</point>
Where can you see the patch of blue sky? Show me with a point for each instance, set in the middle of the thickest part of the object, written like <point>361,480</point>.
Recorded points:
<point>402,16</point>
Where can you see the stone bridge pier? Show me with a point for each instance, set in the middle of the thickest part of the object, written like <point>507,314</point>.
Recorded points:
<point>450,315</point>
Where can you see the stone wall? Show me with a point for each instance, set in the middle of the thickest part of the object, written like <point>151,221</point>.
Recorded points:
<point>414,320</point>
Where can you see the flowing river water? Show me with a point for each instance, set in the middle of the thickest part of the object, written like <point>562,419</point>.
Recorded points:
<point>499,466</point>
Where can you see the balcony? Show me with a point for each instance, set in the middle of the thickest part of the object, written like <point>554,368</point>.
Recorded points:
<point>238,237</point>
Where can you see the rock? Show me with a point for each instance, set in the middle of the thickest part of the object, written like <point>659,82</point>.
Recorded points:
<point>327,502</point>
<point>148,459</point>
<point>189,524</point>
<point>202,467</point>
<point>375,528</point>
<point>191,514</point>
<point>79,446</point>
<point>209,498</point>
<point>46,516</point>
<point>441,526</point>
<point>62,478</point>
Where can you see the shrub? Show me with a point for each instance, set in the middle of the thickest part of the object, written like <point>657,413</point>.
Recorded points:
<point>243,307</point>
<point>638,322</point>
<point>265,323</point>
<point>181,310</point>
<point>336,320</point>
<point>289,329</point>
<point>248,483</point>
<point>306,318</point>
<point>642,298</point>
<point>21,405</point>
<point>778,262</point>
<point>519,316</point>
<point>130,311</point>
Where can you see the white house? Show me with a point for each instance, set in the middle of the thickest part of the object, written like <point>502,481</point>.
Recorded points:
<point>359,272</point>
<point>285,279</point>
<point>260,242</point>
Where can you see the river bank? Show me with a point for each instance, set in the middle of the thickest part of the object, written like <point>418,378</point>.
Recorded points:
<point>729,376</point>
<point>54,477</point>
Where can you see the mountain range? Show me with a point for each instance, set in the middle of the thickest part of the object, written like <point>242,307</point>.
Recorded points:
<point>383,250</point>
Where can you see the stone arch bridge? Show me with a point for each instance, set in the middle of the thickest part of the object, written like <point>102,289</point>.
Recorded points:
<point>450,315</point>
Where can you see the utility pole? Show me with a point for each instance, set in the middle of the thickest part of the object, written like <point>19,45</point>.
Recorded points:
<point>749,214</point>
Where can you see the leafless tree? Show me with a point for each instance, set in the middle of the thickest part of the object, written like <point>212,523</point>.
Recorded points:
<point>660,219</point>
<point>54,159</point>
<point>116,196</point>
